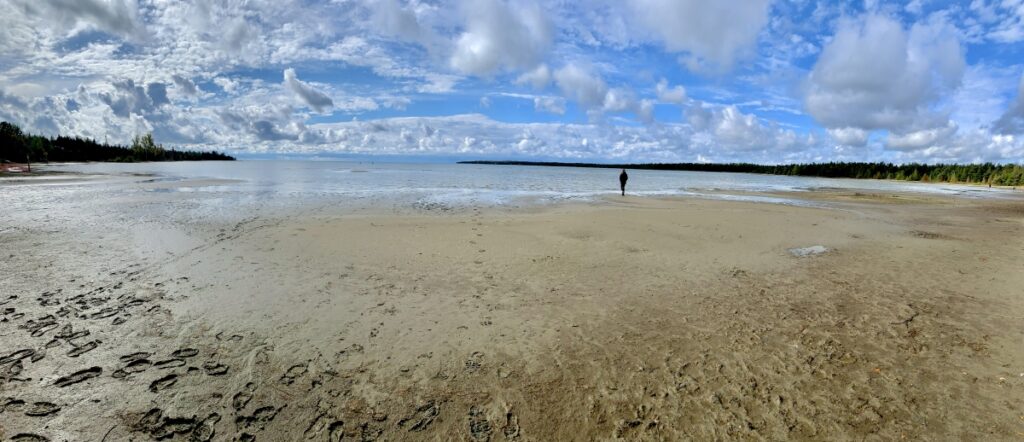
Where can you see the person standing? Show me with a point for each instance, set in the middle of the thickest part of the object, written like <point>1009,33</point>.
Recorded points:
<point>622,181</point>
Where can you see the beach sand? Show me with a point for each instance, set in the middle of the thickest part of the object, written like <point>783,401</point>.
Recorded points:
<point>631,318</point>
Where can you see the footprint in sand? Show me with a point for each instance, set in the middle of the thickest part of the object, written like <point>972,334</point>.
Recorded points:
<point>293,373</point>
<point>258,419</point>
<point>242,398</point>
<point>184,353</point>
<point>68,333</point>
<point>42,409</point>
<point>215,369</point>
<point>335,431</point>
<point>165,427</point>
<point>17,355</point>
<point>150,420</point>
<point>169,363</point>
<point>106,312</point>
<point>511,428</point>
<point>422,417</point>
<point>78,376</point>
<point>12,371</point>
<point>206,429</point>
<point>473,364</point>
<point>79,350</point>
<point>12,405</point>
<point>479,426</point>
<point>41,326</point>
<point>163,383</point>
<point>135,356</point>
<point>136,366</point>
<point>28,437</point>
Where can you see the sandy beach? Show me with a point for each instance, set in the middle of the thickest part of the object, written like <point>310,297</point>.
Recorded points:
<point>623,318</point>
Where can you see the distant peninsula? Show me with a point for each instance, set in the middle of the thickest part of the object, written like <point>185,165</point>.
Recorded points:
<point>19,147</point>
<point>983,173</point>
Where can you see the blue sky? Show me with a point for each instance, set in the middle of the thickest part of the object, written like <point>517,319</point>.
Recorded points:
<point>603,80</point>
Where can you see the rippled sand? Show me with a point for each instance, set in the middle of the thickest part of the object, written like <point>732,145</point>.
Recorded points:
<point>625,318</point>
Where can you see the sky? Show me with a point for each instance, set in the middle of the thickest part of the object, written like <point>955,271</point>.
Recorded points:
<point>766,81</point>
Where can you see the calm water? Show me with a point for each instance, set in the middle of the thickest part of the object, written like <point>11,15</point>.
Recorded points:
<point>243,188</point>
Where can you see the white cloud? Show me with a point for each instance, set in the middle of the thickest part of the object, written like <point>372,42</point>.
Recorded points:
<point>498,37</point>
<point>581,86</point>
<point>712,31</point>
<point>594,95</point>
<point>392,18</point>
<point>619,100</point>
<point>728,139</point>
<point>674,95</point>
<point>316,100</point>
<point>127,98</point>
<point>849,136</point>
<point>1012,121</point>
<point>118,17</point>
<point>645,111</point>
<point>185,85</point>
<point>875,75</point>
<point>920,139</point>
<point>539,77</point>
<point>554,105</point>
<point>1006,15</point>
<point>228,85</point>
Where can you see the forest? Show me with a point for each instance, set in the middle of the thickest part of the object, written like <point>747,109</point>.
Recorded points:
<point>19,147</point>
<point>982,173</point>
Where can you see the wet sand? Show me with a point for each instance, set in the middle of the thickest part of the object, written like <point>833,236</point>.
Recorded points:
<point>631,318</point>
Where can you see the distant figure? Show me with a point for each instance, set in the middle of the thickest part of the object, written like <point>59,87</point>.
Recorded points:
<point>622,181</point>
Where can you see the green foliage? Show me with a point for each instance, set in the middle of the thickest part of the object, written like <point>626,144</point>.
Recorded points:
<point>983,173</point>
<point>16,146</point>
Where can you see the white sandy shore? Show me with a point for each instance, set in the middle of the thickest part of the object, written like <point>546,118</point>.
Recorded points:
<point>652,319</point>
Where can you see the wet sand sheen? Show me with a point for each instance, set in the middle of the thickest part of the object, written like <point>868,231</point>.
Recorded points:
<point>629,318</point>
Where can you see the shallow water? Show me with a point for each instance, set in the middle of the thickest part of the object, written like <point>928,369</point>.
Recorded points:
<point>185,190</point>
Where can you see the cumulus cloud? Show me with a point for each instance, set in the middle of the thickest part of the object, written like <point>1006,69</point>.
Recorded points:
<point>127,98</point>
<point>392,18</point>
<point>1012,121</point>
<point>921,138</point>
<point>729,128</point>
<point>554,105</point>
<point>315,99</point>
<point>645,111</point>
<point>185,86</point>
<point>666,94</point>
<point>498,37</point>
<point>593,94</point>
<point>849,136</point>
<point>539,77</point>
<point>226,84</point>
<point>581,86</point>
<point>113,16</point>
<point>716,32</point>
<point>876,75</point>
<point>267,131</point>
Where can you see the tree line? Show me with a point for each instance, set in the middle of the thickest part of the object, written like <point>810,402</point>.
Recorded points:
<point>17,146</point>
<point>983,173</point>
